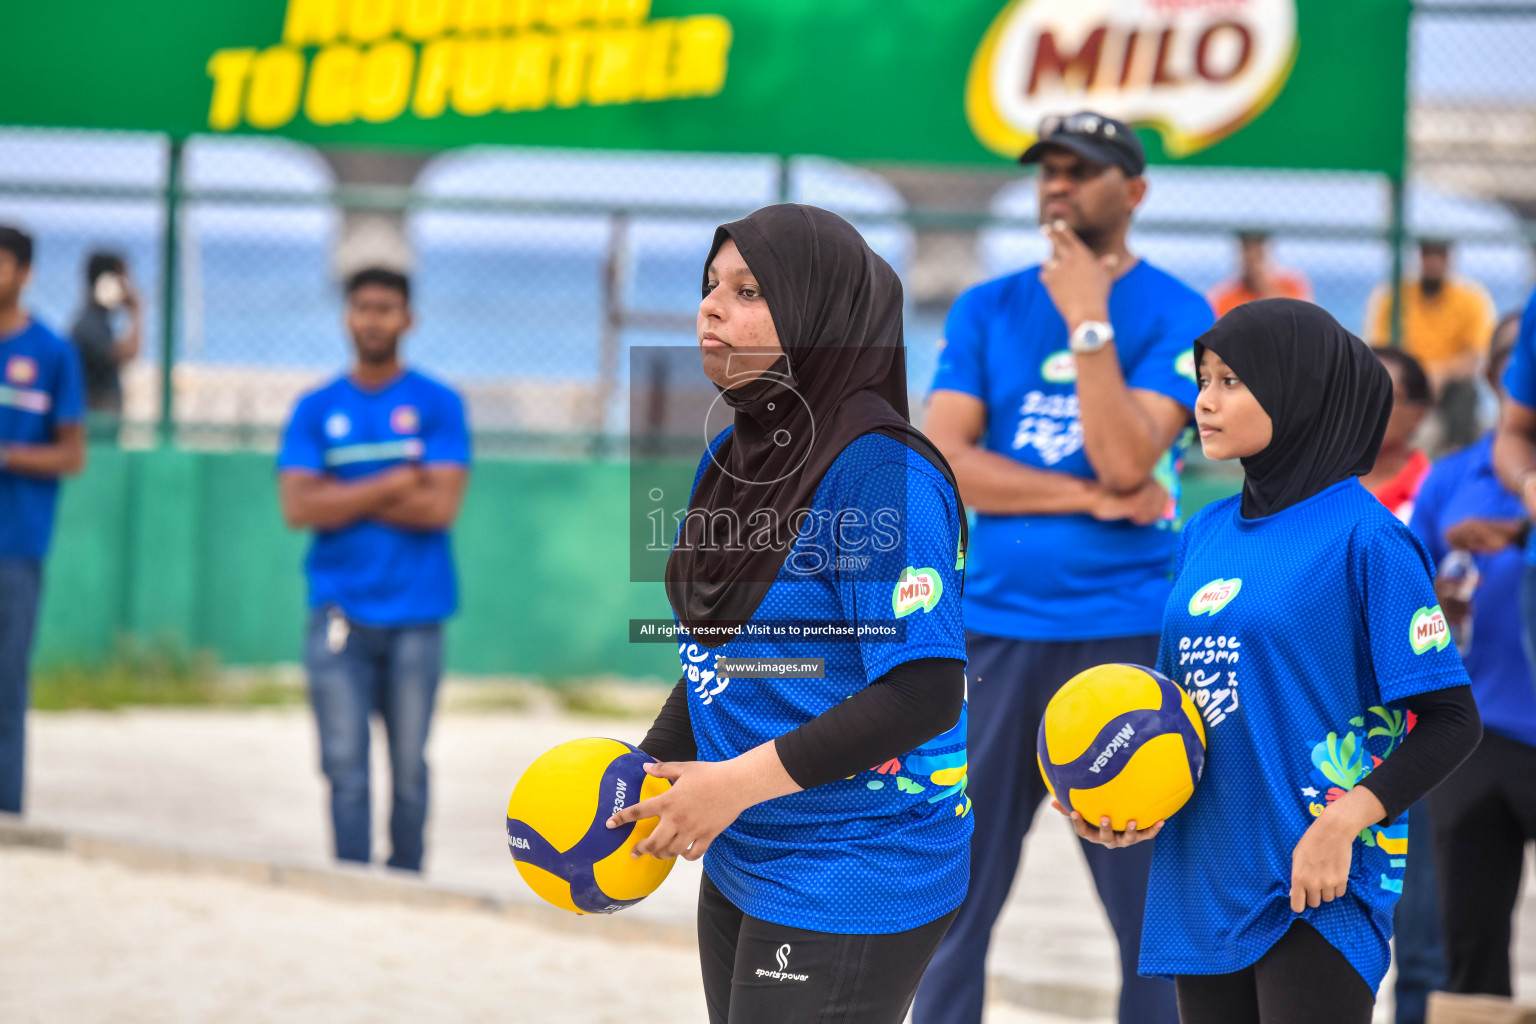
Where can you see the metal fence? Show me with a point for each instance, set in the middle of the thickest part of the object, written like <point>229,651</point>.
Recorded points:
<point>534,271</point>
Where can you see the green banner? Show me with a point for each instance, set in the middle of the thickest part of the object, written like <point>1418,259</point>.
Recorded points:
<point>1269,83</point>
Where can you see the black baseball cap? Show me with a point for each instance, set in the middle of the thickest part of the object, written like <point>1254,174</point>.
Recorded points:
<point>1091,136</point>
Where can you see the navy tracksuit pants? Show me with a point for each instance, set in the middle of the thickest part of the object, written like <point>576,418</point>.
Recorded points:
<point>1009,683</point>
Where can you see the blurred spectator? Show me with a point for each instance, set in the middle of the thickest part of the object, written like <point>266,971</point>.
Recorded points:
<point>40,441</point>
<point>1258,278</point>
<point>1482,816</point>
<point>103,348</point>
<point>1447,321</point>
<point>1400,467</point>
<point>1060,396</point>
<point>1395,479</point>
<point>376,463</point>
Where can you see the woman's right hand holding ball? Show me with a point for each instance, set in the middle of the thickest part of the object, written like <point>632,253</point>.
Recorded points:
<point>1104,835</point>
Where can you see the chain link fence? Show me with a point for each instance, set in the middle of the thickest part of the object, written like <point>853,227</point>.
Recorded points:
<point>535,271</point>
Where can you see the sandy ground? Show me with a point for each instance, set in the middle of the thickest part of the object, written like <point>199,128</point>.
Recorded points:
<point>77,937</point>
<point>94,941</point>
<point>247,782</point>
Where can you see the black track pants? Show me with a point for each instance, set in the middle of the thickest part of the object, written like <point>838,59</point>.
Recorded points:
<point>1483,815</point>
<point>761,973</point>
<point>1301,980</point>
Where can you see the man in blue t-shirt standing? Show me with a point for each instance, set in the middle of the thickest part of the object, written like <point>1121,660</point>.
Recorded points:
<point>1062,395</point>
<point>1514,450</point>
<point>376,463</point>
<point>1483,815</point>
<point>41,440</point>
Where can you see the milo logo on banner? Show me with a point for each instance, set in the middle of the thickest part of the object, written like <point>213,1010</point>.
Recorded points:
<point>1196,70</point>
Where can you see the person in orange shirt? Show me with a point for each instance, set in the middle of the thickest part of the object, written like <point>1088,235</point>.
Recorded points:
<point>1258,278</point>
<point>1447,321</point>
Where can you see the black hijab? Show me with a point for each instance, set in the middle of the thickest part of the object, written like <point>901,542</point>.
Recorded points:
<point>1327,394</point>
<point>837,308</point>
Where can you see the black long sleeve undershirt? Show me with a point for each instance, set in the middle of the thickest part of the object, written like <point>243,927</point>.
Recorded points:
<point>1448,730</point>
<point>671,735</point>
<point>903,709</point>
<point>909,705</point>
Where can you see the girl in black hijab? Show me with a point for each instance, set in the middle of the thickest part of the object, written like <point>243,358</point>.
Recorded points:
<point>1304,625</point>
<point>826,796</point>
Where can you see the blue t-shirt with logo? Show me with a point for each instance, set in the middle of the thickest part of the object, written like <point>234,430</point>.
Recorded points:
<point>379,575</point>
<point>1066,577</point>
<point>1520,379</point>
<point>40,391</point>
<point>1463,486</point>
<point>887,849</point>
<point>1295,634</point>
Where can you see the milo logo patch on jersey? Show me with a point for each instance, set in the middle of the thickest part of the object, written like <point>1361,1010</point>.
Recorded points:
<point>1059,367</point>
<point>21,371</point>
<point>1429,630</point>
<point>917,588</point>
<point>1214,596</point>
<point>405,419</point>
<point>1184,366</point>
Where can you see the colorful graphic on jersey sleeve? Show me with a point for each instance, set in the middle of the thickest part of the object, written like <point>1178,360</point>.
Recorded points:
<point>1340,761</point>
<point>1169,474</point>
<point>937,768</point>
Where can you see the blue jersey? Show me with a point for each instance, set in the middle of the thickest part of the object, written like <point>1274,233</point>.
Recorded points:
<point>380,575</point>
<point>1066,577</point>
<point>1520,381</point>
<point>1464,486</point>
<point>887,849</point>
<point>40,391</point>
<point>1295,634</point>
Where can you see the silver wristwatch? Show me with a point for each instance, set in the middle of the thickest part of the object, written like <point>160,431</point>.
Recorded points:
<point>1090,336</point>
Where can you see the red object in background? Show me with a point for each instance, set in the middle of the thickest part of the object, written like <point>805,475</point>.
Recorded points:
<point>1399,492</point>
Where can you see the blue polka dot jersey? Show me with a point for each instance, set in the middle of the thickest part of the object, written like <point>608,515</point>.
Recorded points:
<point>887,849</point>
<point>1296,634</point>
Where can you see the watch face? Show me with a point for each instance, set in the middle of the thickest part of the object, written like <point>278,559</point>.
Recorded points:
<point>1090,337</point>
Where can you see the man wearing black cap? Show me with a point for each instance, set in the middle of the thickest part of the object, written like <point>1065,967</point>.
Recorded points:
<point>1061,396</point>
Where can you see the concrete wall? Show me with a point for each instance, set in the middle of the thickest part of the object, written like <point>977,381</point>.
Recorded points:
<point>189,548</point>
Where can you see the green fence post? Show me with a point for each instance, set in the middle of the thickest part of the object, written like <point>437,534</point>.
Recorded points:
<point>1398,235</point>
<point>1399,229</point>
<point>168,291</point>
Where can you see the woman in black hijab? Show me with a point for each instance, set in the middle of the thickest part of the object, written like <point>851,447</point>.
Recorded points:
<point>1304,624</point>
<point>826,796</point>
